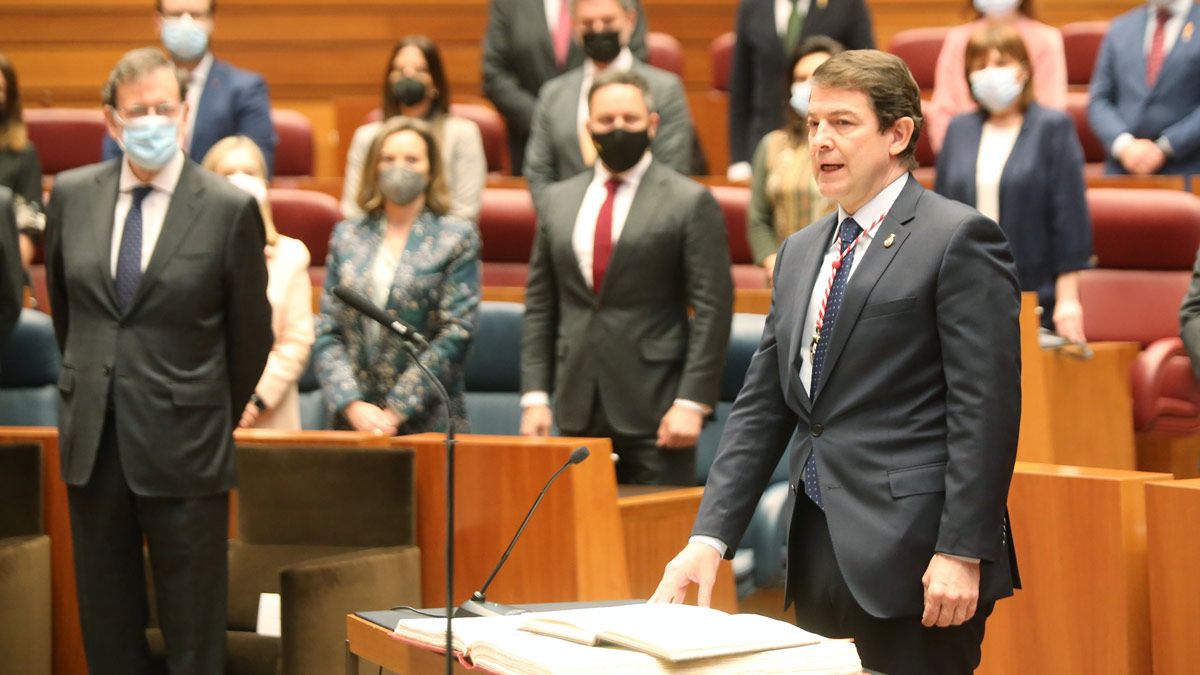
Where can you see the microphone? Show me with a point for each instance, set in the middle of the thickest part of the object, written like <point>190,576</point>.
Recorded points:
<point>478,604</point>
<point>360,303</point>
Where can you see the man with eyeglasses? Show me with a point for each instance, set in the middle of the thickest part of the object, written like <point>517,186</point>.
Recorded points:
<point>157,282</point>
<point>224,100</point>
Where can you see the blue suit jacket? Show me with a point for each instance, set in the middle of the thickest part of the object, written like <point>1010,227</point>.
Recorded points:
<point>234,101</point>
<point>1121,101</point>
<point>1043,203</point>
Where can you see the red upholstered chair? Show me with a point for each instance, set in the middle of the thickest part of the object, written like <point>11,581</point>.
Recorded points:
<point>919,47</point>
<point>66,137</point>
<point>1081,41</point>
<point>1093,150</point>
<point>494,132</point>
<point>507,224</point>
<point>1145,243</point>
<point>721,51</point>
<point>294,154</point>
<point>306,215</point>
<point>664,51</point>
<point>735,201</point>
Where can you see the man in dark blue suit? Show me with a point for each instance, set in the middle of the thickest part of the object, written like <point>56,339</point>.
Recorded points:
<point>890,360</point>
<point>1145,97</point>
<point>224,100</point>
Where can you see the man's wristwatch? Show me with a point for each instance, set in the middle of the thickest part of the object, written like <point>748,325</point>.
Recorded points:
<point>258,402</point>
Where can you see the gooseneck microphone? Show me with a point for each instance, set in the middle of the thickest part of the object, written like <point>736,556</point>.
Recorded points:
<point>369,309</point>
<point>478,604</point>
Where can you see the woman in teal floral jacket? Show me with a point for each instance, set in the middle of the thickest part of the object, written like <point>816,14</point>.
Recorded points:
<point>407,256</point>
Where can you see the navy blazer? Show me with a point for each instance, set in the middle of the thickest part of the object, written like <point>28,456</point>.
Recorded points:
<point>1120,101</point>
<point>756,75</point>
<point>234,102</point>
<point>1043,204</point>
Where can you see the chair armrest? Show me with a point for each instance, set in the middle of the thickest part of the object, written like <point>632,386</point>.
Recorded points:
<point>25,638</point>
<point>1163,384</point>
<point>769,526</point>
<point>318,594</point>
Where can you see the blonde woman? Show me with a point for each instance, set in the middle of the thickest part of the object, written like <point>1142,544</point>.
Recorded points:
<point>411,257</point>
<point>276,400</point>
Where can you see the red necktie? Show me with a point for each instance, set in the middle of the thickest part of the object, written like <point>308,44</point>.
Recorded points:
<point>1154,59</point>
<point>562,33</point>
<point>602,244</point>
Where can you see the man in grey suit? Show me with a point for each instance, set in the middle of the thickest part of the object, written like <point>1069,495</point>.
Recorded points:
<point>158,288</point>
<point>891,353</point>
<point>12,275</point>
<point>621,254</point>
<point>559,146</point>
<point>528,43</point>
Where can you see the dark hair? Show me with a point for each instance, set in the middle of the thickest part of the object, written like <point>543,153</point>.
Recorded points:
<point>212,6</point>
<point>1007,41</point>
<point>440,105</point>
<point>793,123</point>
<point>611,76</point>
<point>136,64</point>
<point>1024,8</point>
<point>12,121</point>
<point>888,84</point>
<point>370,199</point>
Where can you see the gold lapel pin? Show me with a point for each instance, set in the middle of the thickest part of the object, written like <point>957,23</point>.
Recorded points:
<point>822,3</point>
<point>1187,31</point>
<point>891,239</point>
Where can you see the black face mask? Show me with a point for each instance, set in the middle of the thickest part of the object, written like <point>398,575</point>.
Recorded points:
<point>620,149</point>
<point>409,91</point>
<point>602,47</point>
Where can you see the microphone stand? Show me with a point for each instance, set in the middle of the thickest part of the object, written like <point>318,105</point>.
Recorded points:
<point>449,444</point>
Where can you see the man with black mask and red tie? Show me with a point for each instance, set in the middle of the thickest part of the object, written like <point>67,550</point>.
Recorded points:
<point>622,252</point>
<point>559,146</point>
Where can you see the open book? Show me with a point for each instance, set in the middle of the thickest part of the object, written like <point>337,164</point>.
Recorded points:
<point>498,644</point>
<point>670,632</point>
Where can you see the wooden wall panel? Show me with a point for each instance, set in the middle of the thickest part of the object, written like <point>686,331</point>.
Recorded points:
<point>1172,512</point>
<point>313,50</point>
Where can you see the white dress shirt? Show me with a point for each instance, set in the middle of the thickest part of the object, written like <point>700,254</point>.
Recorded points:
<point>196,82</point>
<point>154,207</point>
<point>783,12</point>
<point>552,9</point>
<point>995,145</point>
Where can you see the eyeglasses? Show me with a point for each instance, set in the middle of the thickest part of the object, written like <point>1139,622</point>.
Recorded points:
<point>196,16</point>
<point>163,109</point>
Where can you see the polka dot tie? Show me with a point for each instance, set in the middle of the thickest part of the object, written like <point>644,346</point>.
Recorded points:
<point>848,233</point>
<point>129,254</point>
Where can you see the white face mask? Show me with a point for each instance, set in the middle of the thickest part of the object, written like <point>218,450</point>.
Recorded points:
<point>997,88</point>
<point>253,185</point>
<point>996,7</point>
<point>801,92</point>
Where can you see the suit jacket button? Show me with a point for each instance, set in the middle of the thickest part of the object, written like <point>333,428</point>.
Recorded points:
<point>108,370</point>
<point>817,430</point>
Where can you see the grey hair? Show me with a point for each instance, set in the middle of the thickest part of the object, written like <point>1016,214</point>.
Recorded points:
<point>611,76</point>
<point>136,64</point>
<point>627,5</point>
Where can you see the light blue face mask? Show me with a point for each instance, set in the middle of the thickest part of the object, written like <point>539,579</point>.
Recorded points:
<point>995,7</point>
<point>996,88</point>
<point>184,38</point>
<point>150,141</point>
<point>801,92</point>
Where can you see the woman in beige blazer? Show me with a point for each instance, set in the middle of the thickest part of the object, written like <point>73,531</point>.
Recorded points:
<point>276,400</point>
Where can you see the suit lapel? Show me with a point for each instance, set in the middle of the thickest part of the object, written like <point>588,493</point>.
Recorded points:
<point>646,202</point>
<point>573,121</point>
<point>867,273</point>
<point>107,187</point>
<point>181,215</point>
<point>546,37</point>
<point>1183,43</point>
<point>562,243</point>
<point>809,267</point>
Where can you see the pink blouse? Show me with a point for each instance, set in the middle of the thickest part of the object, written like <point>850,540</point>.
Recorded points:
<point>952,94</point>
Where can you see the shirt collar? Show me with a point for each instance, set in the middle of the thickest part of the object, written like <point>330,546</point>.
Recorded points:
<point>164,181</point>
<point>878,205</point>
<point>631,177</point>
<point>200,73</point>
<point>624,61</point>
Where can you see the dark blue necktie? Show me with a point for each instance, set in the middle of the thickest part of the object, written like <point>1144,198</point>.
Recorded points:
<point>848,233</point>
<point>129,255</point>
